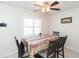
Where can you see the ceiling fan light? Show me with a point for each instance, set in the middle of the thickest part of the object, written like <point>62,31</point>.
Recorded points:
<point>47,9</point>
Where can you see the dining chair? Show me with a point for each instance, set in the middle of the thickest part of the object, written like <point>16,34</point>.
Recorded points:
<point>50,52</point>
<point>25,44</point>
<point>56,33</point>
<point>61,43</point>
<point>21,50</point>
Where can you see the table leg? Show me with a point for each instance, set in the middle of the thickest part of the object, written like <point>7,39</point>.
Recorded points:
<point>31,51</point>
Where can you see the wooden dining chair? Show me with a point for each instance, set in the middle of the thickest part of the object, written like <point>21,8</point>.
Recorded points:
<point>61,43</point>
<point>21,50</point>
<point>50,52</point>
<point>25,44</point>
<point>56,33</point>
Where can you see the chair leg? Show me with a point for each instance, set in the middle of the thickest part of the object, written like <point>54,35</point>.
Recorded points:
<point>63,52</point>
<point>57,54</point>
<point>19,55</point>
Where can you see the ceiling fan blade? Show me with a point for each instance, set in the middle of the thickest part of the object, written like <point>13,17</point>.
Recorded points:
<point>37,10</point>
<point>54,9</point>
<point>37,5</point>
<point>54,3</point>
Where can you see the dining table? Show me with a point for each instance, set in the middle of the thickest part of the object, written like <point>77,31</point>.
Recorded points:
<point>38,43</point>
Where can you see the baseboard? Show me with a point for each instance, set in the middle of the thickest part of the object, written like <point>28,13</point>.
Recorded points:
<point>8,55</point>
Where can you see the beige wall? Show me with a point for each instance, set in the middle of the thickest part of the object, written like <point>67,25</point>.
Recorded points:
<point>46,24</point>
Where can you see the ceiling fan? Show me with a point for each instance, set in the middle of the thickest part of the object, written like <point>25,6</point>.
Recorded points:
<point>46,6</point>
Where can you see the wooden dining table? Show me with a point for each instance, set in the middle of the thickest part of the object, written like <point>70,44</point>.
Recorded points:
<point>38,43</point>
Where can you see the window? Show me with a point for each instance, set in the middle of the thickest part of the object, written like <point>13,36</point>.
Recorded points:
<point>32,26</point>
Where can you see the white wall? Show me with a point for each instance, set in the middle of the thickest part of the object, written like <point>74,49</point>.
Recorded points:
<point>71,29</point>
<point>14,18</point>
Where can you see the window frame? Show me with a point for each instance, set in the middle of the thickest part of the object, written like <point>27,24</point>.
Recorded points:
<point>33,33</point>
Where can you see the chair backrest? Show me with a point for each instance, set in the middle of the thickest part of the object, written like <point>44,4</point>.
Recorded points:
<point>21,45</point>
<point>22,49</point>
<point>62,41</point>
<point>56,33</point>
<point>17,42</point>
<point>25,43</point>
<point>52,49</point>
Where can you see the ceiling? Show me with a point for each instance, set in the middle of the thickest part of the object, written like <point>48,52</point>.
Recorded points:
<point>28,5</point>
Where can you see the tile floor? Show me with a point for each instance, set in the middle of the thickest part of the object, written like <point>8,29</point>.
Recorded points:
<point>68,54</point>
<point>71,54</point>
